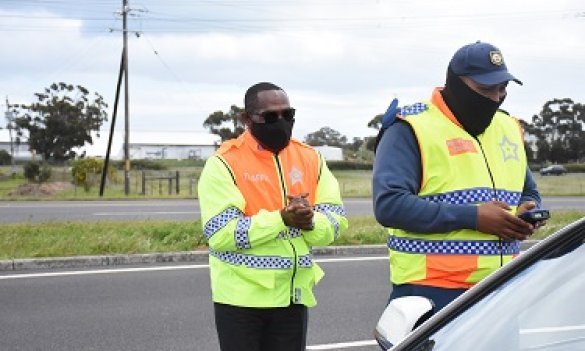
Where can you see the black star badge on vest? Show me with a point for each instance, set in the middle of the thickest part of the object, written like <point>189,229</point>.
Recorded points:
<point>509,149</point>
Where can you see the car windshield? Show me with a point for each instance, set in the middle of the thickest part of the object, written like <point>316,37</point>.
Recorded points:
<point>540,309</point>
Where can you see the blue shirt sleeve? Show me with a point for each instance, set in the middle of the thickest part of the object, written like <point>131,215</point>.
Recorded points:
<point>530,191</point>
<point>396,183</point>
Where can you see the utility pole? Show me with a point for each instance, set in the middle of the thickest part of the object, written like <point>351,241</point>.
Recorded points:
<point>125,11</point>
<point>123,72</point>
<point>9,127</point>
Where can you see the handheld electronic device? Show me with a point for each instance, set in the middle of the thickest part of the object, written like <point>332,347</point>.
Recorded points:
<point>535,215</point>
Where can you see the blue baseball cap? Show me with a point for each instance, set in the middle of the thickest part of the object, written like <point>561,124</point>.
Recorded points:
<point>483,63</point>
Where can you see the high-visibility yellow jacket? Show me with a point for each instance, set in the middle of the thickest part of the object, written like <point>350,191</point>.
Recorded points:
<point>255,260</point>
<point>459,169</point>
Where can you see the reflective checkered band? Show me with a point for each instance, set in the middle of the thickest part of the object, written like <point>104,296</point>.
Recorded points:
<point>326,209</point>
<point>512,198</point>
<point>305,261</point>
<point>252,261</point>
<point>330,208</point>
<point>294,232</point>
<point>477,195</point>
<point>479,247</point>
<point>413,109</point>
<point>216,223</point>
<point>241,235</point>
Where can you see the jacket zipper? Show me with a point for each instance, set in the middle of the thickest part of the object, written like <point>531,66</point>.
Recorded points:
<point>494,197</point>
<point>293,296</point>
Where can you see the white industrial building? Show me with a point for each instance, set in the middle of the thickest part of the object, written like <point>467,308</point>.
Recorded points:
<point>21,151</point>
<point>156,145</point>
<point>330,153</point>
<point>142,145</point>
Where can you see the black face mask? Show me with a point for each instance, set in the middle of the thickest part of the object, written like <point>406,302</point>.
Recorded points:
<point>472,110</point>
<point>273,136</point>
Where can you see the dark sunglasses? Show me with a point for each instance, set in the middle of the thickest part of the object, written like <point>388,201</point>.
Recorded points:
<point>271,116</point>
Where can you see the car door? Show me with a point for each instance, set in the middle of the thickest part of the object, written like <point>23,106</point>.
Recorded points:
<point>533,303</point>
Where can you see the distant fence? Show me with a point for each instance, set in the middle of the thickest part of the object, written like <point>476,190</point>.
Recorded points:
<point>152,178</point>
<point>141,182</point>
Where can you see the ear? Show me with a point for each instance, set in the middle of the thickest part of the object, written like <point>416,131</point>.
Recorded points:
<point>245,118</point>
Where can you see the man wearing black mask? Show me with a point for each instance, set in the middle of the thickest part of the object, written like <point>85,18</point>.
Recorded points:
<point>450,176</point>
<point>265,200</point>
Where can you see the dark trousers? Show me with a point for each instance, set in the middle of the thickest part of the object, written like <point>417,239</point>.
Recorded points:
<point>440,296</point>
<point>261,329</point>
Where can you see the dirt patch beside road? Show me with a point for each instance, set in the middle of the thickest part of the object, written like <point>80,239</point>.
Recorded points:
<point>44,189</point>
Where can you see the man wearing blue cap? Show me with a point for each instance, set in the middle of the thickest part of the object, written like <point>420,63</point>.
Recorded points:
<point>449,178</point>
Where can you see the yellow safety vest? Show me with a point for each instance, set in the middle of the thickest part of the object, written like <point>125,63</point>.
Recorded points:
<point>458,169</point>
<point>254,259</point>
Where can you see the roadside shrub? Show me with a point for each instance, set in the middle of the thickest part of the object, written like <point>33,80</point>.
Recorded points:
<point>147,165</point>
<point>141,165</point>
<point>5,158</point>
<point>87,171</point>
<point>347,165</point>
<point>575,167</point>
<point>36,172</point>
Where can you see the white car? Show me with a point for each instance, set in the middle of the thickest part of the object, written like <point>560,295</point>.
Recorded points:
<point>535,302</point>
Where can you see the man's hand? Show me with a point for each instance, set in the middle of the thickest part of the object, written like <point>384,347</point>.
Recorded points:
<point>298,213</point>
<point>493,218</point>
<point>526,206</point>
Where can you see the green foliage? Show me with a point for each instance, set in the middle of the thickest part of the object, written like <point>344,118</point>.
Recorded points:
<point>36,172</point>
<point>575,167</point>
<point>326,136</point>
<point>87,171</point>
<point>147,165</point>
<point>61,239</point>
<point>172,163</point>
<point>144,165</point>
<point>349,165</point>
<point>5,158</point>
<point>376,122</point>
<point>559,131</point>
<point>227,125</point>
<point>61,119</point>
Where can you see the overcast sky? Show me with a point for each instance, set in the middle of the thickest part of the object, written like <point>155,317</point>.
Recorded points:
<point>340,61</point>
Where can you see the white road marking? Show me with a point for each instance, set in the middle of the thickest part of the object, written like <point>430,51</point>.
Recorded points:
<point>349,259</point>
<point>157,268</point>
<point>342,345</point>
<point>101,271</point>
<point>142,213</point>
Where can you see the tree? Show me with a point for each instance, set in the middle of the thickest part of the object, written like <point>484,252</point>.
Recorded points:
<point>355,144</point>
<point>376,122</point>
<point>227,125</point>
<point>62,118</point>
<point>326,136</point>
<point>5,158</point>
<point>560,124</point>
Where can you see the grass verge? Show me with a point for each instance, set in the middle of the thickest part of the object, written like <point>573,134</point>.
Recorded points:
<point>63,239</point>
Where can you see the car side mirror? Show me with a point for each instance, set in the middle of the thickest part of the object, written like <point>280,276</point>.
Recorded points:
<point>400,317</point>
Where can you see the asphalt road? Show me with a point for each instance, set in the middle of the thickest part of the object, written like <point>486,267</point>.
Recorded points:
<point>43,211</point>
<point>169,308</point>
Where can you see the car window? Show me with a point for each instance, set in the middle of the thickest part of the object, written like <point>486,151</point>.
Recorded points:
<point>540,309</point>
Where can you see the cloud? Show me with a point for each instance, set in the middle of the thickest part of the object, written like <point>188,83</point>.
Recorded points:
<point>340,61</point>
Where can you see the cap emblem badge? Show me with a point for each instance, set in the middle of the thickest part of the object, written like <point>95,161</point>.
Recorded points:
<point>496,58</point>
